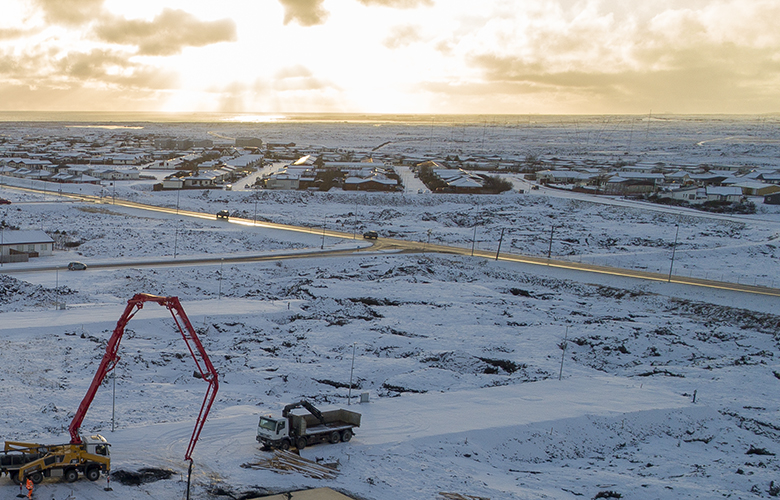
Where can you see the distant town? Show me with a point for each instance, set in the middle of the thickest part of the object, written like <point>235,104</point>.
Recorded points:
<point>220,164</point>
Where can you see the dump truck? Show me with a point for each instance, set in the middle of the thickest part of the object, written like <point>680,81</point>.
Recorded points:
<point>300,431</point>
<point>36,461</point>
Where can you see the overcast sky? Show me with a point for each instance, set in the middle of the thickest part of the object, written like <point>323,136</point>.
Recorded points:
<point>391,56</point>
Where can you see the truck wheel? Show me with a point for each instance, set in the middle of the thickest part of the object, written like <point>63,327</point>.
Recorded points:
<point>335,437</point>
<point>13,475</point>
<point>285,444</point>
<point>70,475</point>
<point>93,473</point>
<point>300,443</point>
<point>346,435</point>
<point>36,477</point>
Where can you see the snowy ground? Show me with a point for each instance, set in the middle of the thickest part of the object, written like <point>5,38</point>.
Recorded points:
<point>460,356</point>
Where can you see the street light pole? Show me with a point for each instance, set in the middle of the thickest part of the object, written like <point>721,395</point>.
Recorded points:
<point>351,370</point>
<point>474,240</point>
<point>322,246</point>
<point>113,401</point>
<point>674,248</point>
<point>176,239</point>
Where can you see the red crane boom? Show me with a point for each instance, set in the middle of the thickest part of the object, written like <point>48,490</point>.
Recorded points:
<point>111,358</point>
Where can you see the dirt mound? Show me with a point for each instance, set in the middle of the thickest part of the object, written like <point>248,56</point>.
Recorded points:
<point>142,476</point>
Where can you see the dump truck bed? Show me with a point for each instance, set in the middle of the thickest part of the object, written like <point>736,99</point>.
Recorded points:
<point>335,420</point>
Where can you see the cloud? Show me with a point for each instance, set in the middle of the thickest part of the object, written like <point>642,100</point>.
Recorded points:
<point>70,12</point>
<point>304,12</point>
<point>12,33</point>
<point>95,80</point>
<point>717,57</point>
<point>312,12</point>
<point>401,36</point>
<point>723,78</point>
<point>398,4</point>
<point>166,34</point>
<point>97,69</point>
<point>113,68</point>
<point>299,78</point>
<point>17,96</point>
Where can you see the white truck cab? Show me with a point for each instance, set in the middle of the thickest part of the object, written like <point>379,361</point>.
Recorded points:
<point>271,429</point>
<point>96,445</point>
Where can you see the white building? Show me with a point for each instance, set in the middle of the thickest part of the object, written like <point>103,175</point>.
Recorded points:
<point>19,246</point>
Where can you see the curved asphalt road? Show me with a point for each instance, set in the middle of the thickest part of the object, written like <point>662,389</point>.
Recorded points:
<point>382,244</point>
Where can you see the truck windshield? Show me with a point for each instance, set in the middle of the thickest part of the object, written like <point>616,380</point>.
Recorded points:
<point>268,424</point>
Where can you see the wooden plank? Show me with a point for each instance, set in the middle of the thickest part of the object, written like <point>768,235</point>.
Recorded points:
<point>286,462</point>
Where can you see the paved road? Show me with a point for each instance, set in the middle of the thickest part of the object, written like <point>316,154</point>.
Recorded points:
<point>387,244</point>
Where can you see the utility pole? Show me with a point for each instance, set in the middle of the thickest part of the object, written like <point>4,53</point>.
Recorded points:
<point>563,351</point>
<point>549,249</point>
<point>474,240</point>
<point>354,226</point>
<point>499,243</point>
<point>674,248</point>
<point>221,262</point>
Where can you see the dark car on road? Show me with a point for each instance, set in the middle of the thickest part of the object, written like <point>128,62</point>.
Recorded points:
<point>223,214</point>
<point>77,266</point>
<point>3,201</point>
<point>370,235</point>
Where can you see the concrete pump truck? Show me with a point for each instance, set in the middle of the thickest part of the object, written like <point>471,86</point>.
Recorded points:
<point>89,455</point>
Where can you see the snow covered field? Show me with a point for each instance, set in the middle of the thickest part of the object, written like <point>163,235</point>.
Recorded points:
<point>460,356</point>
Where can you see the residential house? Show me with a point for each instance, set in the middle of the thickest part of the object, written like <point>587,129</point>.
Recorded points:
<point>724,193</point>
<point>756,188</point>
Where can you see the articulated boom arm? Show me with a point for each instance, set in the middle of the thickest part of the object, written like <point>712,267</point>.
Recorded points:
<point>303,403</point>
<point>111,358</point>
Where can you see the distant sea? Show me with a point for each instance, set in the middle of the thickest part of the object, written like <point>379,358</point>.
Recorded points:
<point>109,117</point>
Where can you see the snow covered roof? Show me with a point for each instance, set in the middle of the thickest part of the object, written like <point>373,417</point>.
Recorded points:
<point>751,184</point>
<point>377,178</point>
<point>25,237</point>
<point>641,175</point>
<point>724,190</point>
<point>244,161</point>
